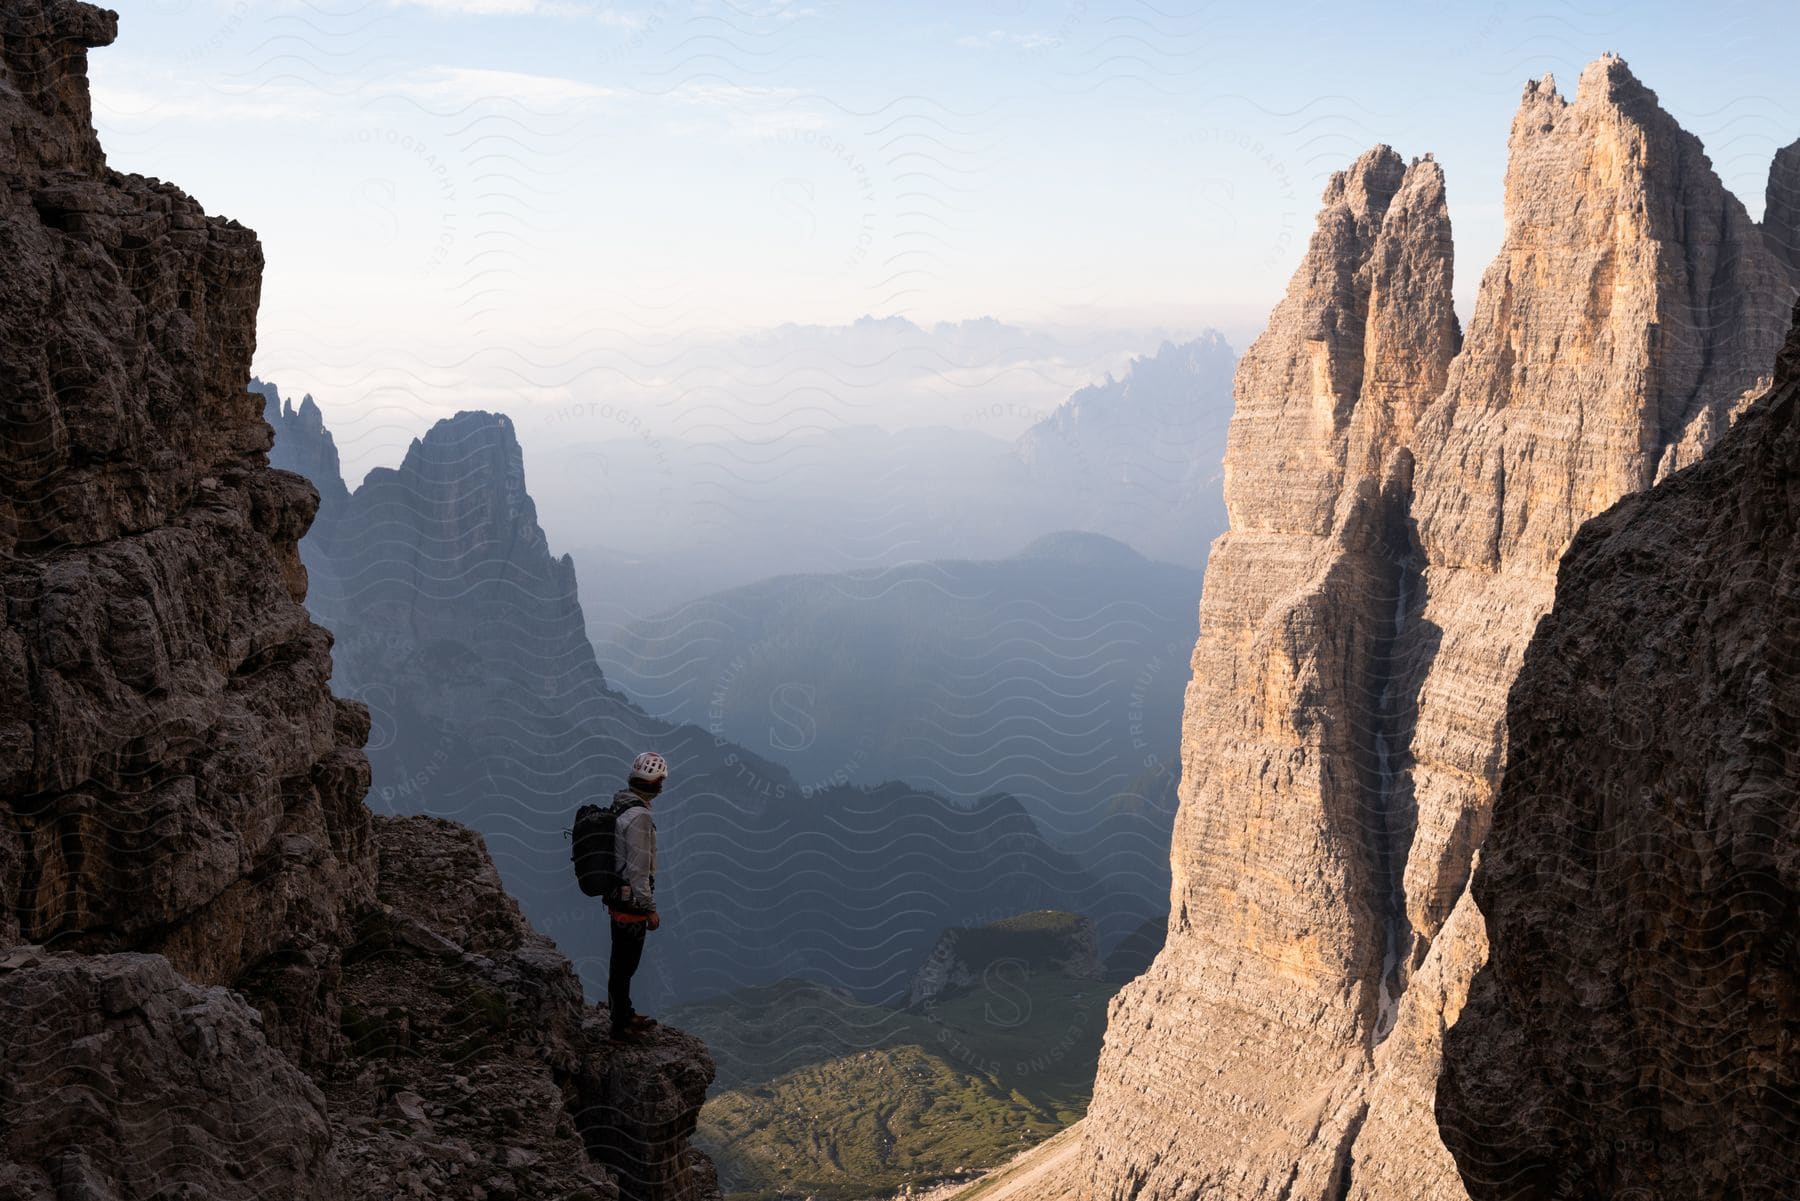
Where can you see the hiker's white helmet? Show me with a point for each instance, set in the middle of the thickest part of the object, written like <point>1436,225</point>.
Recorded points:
<point>649,766</point>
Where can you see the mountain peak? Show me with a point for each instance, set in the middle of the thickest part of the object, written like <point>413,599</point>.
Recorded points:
<point>1609,79</point>
<point>473,442</point>
<point>1614,199</point>
<point>1781,210</point>
<point>459,499</point>
<point>1367,317</point>
<point>305,446</point>
<point>1543,87</point>
<point>1080,547</point>
<point>1609,101</point>
<point>1366,185</point>
<point>473,423</point>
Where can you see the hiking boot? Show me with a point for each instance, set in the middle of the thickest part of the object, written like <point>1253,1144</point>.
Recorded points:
<point>642,1022</point>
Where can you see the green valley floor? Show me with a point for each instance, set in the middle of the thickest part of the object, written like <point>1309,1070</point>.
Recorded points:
<point>819,1095</point>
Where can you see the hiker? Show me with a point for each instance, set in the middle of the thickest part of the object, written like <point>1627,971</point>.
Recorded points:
<point>633,906</point>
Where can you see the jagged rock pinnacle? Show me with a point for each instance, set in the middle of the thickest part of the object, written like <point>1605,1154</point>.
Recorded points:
<point>1399,500</point>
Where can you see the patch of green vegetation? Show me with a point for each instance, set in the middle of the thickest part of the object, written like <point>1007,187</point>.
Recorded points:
<point>1051,921</point>
<point>1038,940</point>
<point>821,1095</point>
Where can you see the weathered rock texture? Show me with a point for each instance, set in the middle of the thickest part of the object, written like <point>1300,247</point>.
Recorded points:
<point>197,914</point>
<point>1399,498</point>
<point>467,1064</point>
<point>473,1062</point>
<point>1636,1030</point>
<point>123,1079</point>
<point>177,776</point>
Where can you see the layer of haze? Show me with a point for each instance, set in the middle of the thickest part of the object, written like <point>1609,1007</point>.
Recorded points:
<point>574,212</point>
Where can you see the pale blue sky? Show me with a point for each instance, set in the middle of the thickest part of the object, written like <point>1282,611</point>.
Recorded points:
<point>494,196</point>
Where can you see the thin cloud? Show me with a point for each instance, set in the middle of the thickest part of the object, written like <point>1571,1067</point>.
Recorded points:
<point>749,110</point>
<point>1003,37</point>
<point>605,14</point>
<point>161,95</point>
<point>149,97</point>
<point>466,85</point>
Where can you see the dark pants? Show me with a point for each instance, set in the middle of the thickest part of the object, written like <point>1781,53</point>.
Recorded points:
<point>627,953</point>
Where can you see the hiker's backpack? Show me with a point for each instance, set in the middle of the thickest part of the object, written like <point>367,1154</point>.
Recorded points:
<point>593,849</point>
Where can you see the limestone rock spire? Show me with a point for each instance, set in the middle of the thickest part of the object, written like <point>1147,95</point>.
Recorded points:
<point>1378,264</point>
<point>1399,497</point>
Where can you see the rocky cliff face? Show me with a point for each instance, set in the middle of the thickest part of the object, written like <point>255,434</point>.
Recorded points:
<point>1633,1033</point>
<point>1399,498</point>
<point>475,1068</point>
<point>459,1062</point>
<point>197,912</point>
<point>178,776</point>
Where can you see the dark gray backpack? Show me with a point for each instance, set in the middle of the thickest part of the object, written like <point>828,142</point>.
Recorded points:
<point>594,848</point>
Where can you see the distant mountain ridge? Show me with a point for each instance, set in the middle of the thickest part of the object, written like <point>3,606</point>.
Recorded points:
<point>464,635</point>
<point>1054,675</point>
<point>1136,457</point>
<point>1141,457</point>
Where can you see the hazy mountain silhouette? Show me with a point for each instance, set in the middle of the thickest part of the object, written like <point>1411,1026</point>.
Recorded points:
<point>464,635</point>
<point>1141,457</point>
<point>654,523</point>
<point>1055,675</point>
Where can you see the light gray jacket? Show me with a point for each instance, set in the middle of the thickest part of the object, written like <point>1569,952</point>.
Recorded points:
<point>634,842</point>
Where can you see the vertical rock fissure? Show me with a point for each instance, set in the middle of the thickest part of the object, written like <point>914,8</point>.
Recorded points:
<point>1343,1167</point>
<point>31,876</point>
<point>1392,739</point>
<point>1392,682</point>
<point>1705,285</point>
